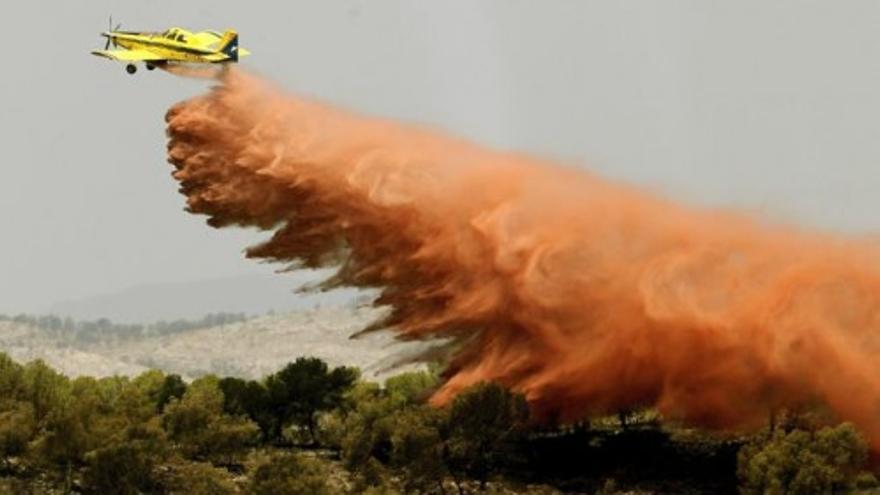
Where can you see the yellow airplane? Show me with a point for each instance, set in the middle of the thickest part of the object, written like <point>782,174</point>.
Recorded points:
<point>175,45</point>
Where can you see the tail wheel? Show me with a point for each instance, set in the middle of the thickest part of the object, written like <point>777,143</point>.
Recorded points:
<point>131,68</point>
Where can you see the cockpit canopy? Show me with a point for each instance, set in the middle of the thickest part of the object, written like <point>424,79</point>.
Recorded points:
<point>176,34</point>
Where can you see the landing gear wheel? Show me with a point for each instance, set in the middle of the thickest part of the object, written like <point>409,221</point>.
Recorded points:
<point>150,66</point>
<point>131,68</point>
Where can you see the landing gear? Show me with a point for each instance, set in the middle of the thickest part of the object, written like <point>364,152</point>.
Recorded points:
<point>150,66</point>
<point>131,68</point>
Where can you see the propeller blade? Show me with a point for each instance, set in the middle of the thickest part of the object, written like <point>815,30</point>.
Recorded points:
<point>111,30</point>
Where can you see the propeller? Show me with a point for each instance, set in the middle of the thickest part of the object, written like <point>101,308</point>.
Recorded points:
<point>110,33</point>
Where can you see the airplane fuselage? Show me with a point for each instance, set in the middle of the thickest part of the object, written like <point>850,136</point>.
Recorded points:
<point>160,45</point>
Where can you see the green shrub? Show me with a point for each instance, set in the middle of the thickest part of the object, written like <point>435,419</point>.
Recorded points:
<point>803,462</point>
<point>194,478</point>
<point>371,475</point>
<point>290,474</point>
<point>17,428</point>
<point>120,469</point>
<point>127,464</point>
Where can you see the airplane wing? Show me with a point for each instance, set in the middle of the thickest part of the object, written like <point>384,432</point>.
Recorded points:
<point>129,55</point>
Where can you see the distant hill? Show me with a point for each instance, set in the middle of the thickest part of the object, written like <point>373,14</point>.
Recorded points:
<point>250,294</point>
<point>249,349</point>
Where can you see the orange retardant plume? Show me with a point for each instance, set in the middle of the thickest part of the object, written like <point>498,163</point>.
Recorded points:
<point>585,295</point>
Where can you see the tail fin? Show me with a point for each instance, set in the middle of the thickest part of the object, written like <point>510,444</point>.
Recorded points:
<point>229,45</point>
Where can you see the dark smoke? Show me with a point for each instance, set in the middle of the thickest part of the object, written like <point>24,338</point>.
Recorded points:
<point>586,295</point>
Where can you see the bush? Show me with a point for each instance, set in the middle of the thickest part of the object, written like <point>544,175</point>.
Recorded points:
<point>193,478</point>
<point>127,464</point>
<point>120,469</point>
<point>371,476</point>
<point>290,474</point>
<point>803,462</point>
<point>17,428</point>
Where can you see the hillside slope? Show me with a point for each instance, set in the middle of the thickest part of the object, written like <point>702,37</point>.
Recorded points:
<point>249,349</point>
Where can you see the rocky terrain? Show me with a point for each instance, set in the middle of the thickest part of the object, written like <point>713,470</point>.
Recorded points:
<point>249,349</point>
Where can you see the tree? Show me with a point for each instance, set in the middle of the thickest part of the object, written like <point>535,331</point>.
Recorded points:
<point>67,429</point>
<point>149,385</point>
<point>303,389</point>
<point>173,387</point>
<point>802,462</point>
<point>390,426</point>
<point>136,401</point>
<point>418,448</point>
<point>248,398</point>
<point>197,424</point>
<point>11,378</point>
<point>43,387</point>
<point>110,426</point>
<point>362,428</point>
<point>411,388</point>
<point>483,430</point>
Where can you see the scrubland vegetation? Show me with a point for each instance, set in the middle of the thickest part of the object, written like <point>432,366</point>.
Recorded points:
<point>103,329</point>
<point>312,429</point>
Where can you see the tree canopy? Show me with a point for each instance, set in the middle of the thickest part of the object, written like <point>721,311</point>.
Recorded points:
<point>155,433</point>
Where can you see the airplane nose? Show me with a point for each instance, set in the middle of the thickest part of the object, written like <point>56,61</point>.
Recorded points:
<point>110,39</point>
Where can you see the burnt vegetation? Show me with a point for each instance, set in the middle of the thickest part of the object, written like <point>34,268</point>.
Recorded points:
<point>312,429</point>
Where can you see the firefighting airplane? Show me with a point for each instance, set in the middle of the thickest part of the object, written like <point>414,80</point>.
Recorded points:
<point>175,45</point>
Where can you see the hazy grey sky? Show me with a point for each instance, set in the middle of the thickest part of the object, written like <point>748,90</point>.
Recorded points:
<point>769,106</point>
